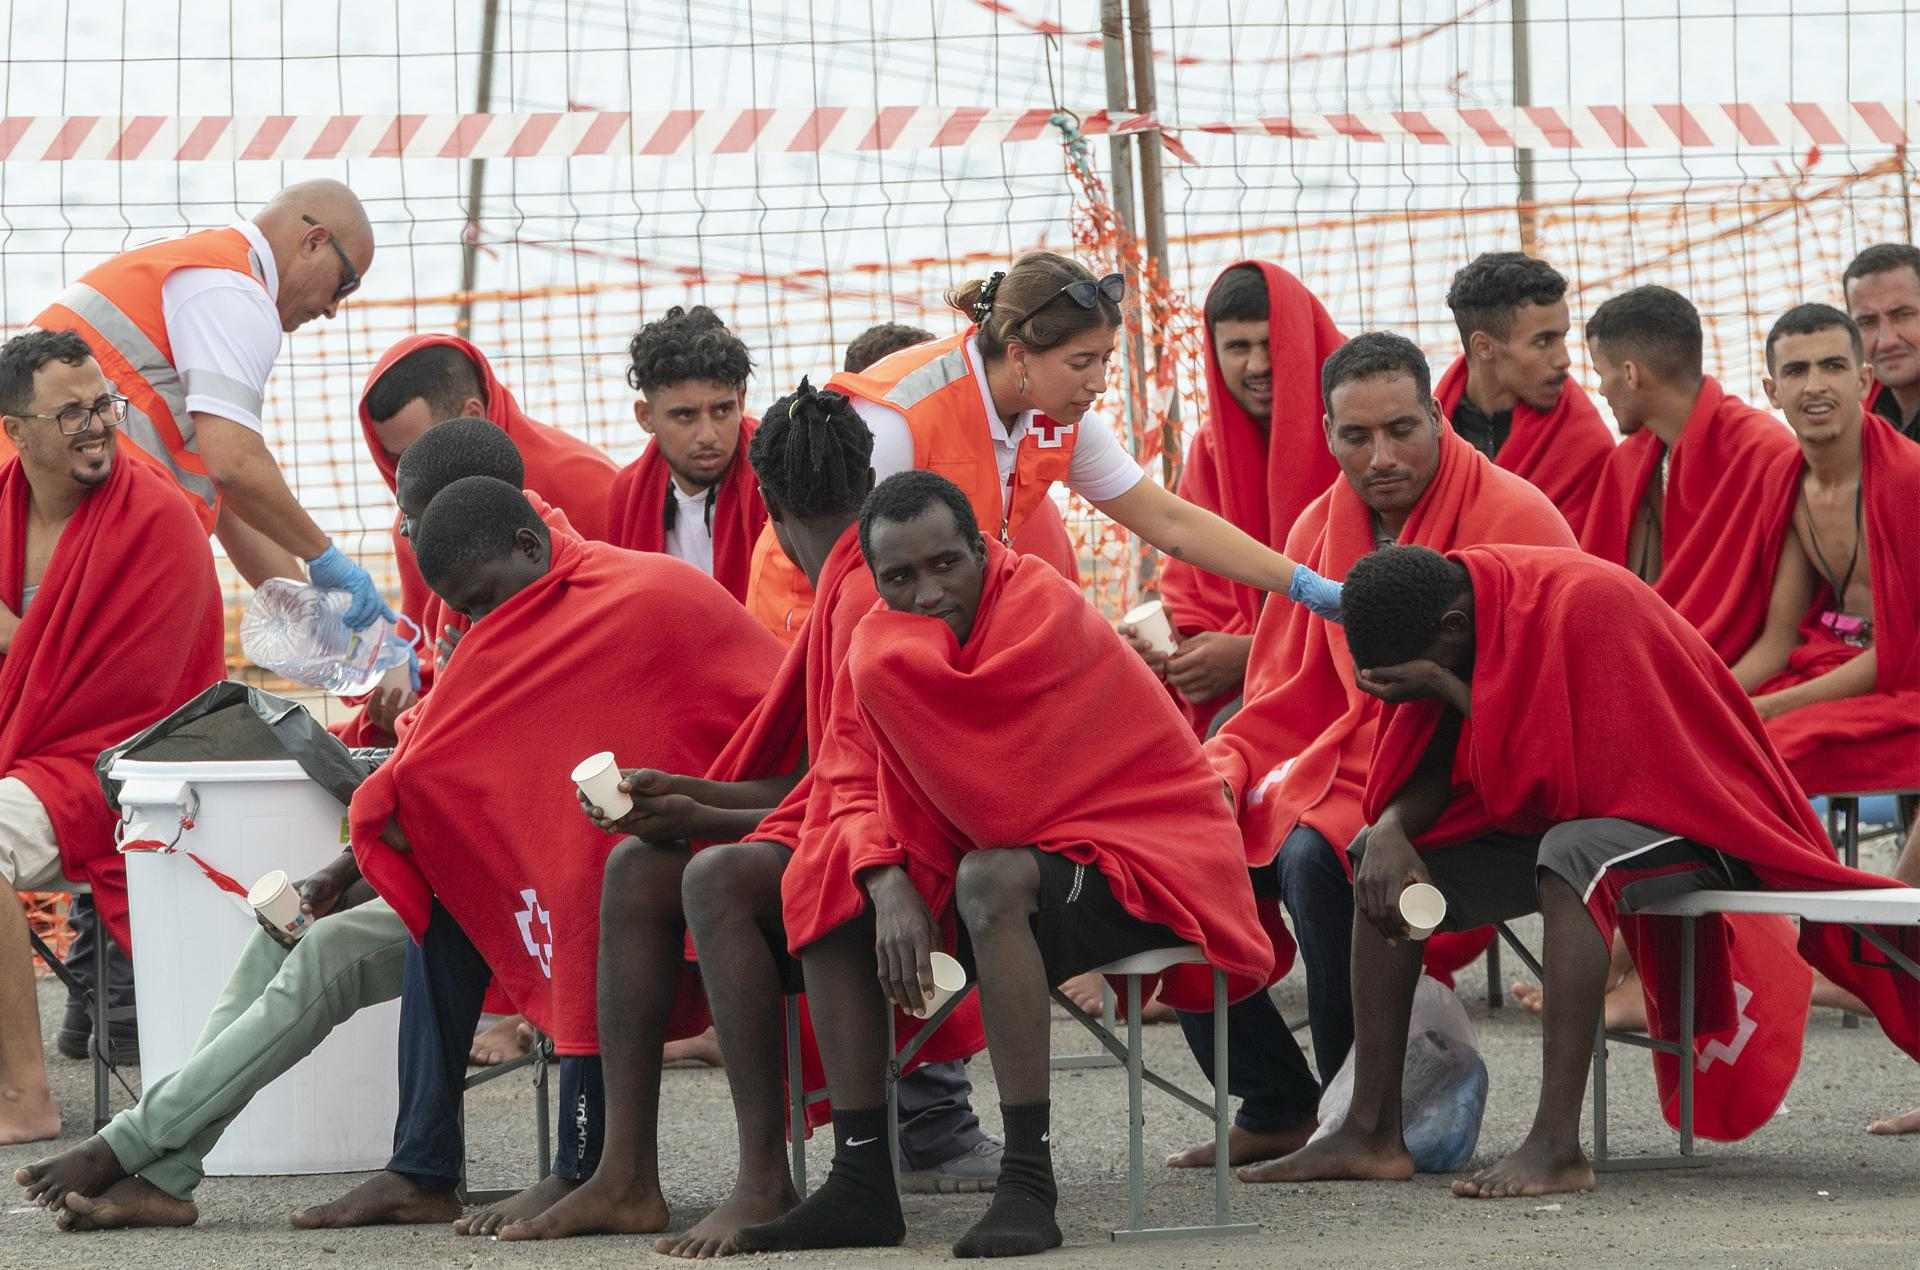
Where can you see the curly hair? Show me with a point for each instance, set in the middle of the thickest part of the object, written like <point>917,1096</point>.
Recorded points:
<point>23,357</point>
<point>458,448</point>
<point>812,453</point>
<point>908,495</point>
<point>1485,294</point>
<point>687,344</point>
<point>1392,602</point>
<point>468,523</point>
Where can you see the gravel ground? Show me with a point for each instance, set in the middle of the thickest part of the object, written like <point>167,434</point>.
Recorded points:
<point>1811,1189</point>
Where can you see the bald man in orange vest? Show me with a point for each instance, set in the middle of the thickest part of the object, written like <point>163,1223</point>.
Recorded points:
<point>189,329</point>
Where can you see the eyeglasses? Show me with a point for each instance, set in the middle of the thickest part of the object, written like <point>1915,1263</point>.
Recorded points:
<point>349,276</point>
<point>76,419</point>
<point>1086,293</point>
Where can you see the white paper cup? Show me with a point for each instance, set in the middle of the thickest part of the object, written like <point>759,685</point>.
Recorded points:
<point>598,777</point>
<point>948,980</point>
<point>276,900</point>
<point>1423,908</point>
<point>1149,622</point>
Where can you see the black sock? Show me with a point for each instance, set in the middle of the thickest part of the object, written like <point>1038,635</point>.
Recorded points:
<point>1020,1221</point>
<point>857,1206</point>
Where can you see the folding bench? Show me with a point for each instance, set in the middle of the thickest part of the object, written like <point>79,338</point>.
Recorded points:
<point>104,1015</point>
<point>1859,911</point>
<point>539,1056</point>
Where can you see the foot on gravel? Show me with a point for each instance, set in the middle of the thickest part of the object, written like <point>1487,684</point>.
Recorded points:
<point>501,1041</point>
<point>713,1235</point>
<point>86,1169</point>
<point>693,1051</point>
<point>596,1207</point>
<point>1244,1146</point>
<point>525,1206</point>
<point>1340,1156</point>
<point>28,1116</point>
<point>1909,1123</point>
<point>1534,1169</point>
<point>385,1199</point>
<point>130,1202</point>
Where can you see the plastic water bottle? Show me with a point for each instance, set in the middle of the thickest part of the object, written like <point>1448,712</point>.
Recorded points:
<point>297,630</point>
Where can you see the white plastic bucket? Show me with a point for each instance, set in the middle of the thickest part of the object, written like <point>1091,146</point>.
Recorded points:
<point>334,1111</point>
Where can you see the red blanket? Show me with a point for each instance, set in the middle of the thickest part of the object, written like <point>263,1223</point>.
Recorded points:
<point>637,507</point>
<point>1561,453</point>
<point>126,627</point>
<point>1233,471</point>
<point>480,781</point>
<point>1718,529</point>
<point>1870,742</point>
<point>1591,700</point>
<point>1104,771</point>
<point>573,474</point>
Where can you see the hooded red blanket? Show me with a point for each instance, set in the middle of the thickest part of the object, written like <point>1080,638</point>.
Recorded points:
<point>126,627</point>
<point>1592,700</point>
<point>1718,531</point>
<point>574,475</point>
<point>480,781</point>
<point>1106,772</point>
<point>1560,453</point>
<point>636,511</point>
<point>1232,470</point>
<point>1869,742</point>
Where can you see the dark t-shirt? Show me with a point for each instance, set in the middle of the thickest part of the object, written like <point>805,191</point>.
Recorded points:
<point>1889,409</point>
<point>1485,433</point>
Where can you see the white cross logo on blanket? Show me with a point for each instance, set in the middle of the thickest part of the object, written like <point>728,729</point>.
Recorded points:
<point>1721,1050</point>
<point>541,950</point>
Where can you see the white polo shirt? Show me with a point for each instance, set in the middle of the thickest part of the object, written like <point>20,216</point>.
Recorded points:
<point>225,332</point>
<point>1099,470</point>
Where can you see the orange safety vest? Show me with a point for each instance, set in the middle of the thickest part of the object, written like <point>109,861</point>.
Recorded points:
<point>116,308</point>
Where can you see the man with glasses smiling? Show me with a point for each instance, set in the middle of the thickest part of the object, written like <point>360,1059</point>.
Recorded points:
<point>188,329</point>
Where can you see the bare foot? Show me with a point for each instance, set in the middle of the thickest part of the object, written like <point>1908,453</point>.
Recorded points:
<point>1831,995</point>
<point>132,1201</point>
<point>86,1169</point>
<point>1535,1169</point>
<point>528,1204</point>
<point>28,1115</point>
<point>1909,1123</point>
<point>595,1207</point>
<point>1626,1004</point>
<point>694,1051</point>
<point>1085,992</point>
<point>499,1042</point>
<point>1244,1146</point>
<point>712,1235</point>
<point>1340,1156</point>
<point>1531,997</point>
<point>385,1199</point>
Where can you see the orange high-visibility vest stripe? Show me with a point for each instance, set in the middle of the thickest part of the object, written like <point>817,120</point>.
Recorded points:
<point>116,308</point>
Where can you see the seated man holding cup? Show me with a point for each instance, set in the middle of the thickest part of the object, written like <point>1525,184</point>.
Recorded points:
<point>1557,738</point>
<point>573,647</point>
<point>1102,834</point>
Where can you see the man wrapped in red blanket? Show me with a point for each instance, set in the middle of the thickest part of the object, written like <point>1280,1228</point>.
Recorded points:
<point>109,619</point>
<point>1295,757</point>
<point>1509,395</point>
<point>1267,336</point>
<point>812,455</point>
<point>574,647</point>
<point>1032,775</point>
<point>1836,670</point>
<point>1562,740</point>
<point>420,383</point>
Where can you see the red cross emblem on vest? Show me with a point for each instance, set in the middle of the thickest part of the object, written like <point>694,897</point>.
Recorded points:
<point>1047,432</point>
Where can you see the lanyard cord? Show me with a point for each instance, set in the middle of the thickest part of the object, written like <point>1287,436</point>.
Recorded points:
<point>1820,555</point>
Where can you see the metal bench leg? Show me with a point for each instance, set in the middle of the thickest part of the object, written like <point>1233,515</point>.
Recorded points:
<point>1849,808</point>
<point>796,1099</point>
<point>1136,1116</point>
<point>542,1126</point>
<point>1600,1093</point>
<point>893,1100</point>
<point>1687,1006</point>
<point>102,1037</point>
<point>1221,1119</point>
<point>1495,997</point>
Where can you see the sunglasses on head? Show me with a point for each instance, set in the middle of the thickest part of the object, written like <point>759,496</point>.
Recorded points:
<point>1087,293</point>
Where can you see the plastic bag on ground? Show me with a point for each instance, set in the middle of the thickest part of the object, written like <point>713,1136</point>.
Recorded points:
<point>1443,1092</point>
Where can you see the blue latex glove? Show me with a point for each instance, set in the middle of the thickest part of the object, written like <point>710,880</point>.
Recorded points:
<point>332,571</point>
<point>1317,593</point>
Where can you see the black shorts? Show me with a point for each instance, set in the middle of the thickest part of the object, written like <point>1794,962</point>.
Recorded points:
<point>1079,925</point>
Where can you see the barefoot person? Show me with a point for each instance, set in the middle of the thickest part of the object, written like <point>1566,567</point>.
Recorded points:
<point>811,455</point>
<point>1128,848</point>
<point>1882,289</point>
<point>1294,758</point>
<point>1267,336</point>
<point>553,653</point>
<point>109,620</point>
<point>145,1166</point>
<point>418,384</point>
<point>1560,739</point>
<point>1509,395</point>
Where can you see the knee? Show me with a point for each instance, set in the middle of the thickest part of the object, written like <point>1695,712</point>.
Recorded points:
<point>641,877</point>
<point>1310,866</point>
<point>740,878</point>
<point>995,886</point>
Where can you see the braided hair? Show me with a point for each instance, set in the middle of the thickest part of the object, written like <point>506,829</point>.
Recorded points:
<point>812,453</point>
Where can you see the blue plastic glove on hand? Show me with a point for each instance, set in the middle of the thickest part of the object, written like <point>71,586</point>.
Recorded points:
<point>332,571</point>
<point>1317,593</point>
